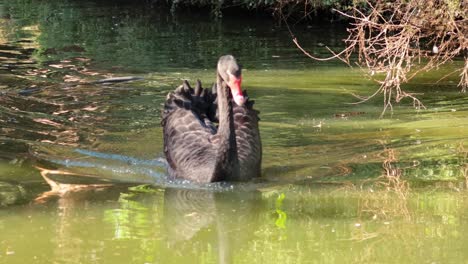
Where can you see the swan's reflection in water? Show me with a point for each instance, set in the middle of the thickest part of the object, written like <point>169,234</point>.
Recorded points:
<point>190,215</point>
<point>155,225</point>
<point>186,212</point>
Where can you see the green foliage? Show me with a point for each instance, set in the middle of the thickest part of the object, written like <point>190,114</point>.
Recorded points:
<point>144,188</point>
<point>282,216</point>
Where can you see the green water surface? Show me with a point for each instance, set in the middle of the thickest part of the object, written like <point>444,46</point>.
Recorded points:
<point>339,184</point>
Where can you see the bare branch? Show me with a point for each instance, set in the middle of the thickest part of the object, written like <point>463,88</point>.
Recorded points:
<point>401,39</point>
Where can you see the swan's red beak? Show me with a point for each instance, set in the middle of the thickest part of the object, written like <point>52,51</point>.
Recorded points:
<point>236,90</point>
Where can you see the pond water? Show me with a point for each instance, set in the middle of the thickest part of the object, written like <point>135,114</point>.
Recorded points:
<point>339,184</point>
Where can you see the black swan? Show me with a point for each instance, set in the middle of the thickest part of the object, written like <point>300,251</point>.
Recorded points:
<point>198,150</point>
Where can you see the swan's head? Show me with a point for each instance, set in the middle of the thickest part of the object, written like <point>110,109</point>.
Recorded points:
<point>231,73</point>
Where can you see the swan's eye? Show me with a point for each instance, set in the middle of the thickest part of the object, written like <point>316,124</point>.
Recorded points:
<point>236,73</point>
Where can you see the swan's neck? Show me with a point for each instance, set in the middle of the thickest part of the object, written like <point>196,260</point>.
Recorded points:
<point>227,163</point>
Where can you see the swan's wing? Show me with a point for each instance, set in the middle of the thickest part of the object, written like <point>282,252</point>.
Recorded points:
<point>249,145</point>
<point>199,101</point>
<point>188,132</point>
